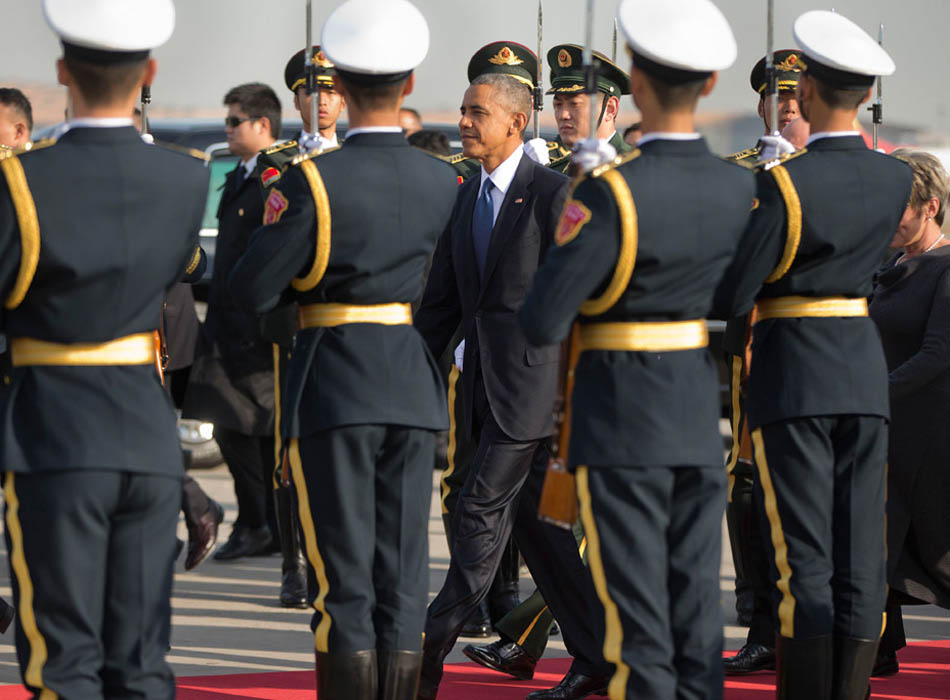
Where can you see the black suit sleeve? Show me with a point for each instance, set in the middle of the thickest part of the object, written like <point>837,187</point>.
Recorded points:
<point>576,266</point>
<point>278,251</point>
<point>933,357</point>
<point>440,313</point>
<point>758,254</point>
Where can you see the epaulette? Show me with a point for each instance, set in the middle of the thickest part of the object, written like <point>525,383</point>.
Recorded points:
<point>34,146</point>
<point>558,148</point>
<point>782,159</point>
<point>280,147</point>
<point>5,152</point>
<point>457,158</point>
<point>615,163</point>
<point>184,150</point>
<point>301,157</point>
<point>742,155</point>
<point>558,162</point>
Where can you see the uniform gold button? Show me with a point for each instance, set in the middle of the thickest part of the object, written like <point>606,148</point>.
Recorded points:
<point>240,212</point>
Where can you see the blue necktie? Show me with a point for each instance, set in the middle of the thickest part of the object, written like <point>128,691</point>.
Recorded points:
<point>483,221</point>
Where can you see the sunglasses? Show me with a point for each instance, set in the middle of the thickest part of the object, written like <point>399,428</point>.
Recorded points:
<point>235,122</point>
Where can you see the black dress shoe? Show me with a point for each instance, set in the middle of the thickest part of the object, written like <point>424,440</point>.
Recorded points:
<point>885,664</point>
<point>573,686</point>
<point>479,624</point>
<point>293,588</point>
<point>245,542</point>
<point>203,535</point>
<point>504,656</point>
<point>751,658</point>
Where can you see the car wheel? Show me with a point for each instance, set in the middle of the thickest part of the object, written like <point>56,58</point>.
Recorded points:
<point>198,445</point>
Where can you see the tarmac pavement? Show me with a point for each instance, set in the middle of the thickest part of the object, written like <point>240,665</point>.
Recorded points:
<point>226,617</point>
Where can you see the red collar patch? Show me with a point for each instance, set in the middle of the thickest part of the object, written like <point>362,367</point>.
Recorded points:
<point>269,177</point>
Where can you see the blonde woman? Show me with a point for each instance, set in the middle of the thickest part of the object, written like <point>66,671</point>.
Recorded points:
<point>911,306</point>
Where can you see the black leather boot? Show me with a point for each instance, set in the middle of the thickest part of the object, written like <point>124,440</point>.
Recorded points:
<point>293,582</point>
<point>854,659</point>
<point>352,676</point>
<point>398,674</point>
<point>803,668</point>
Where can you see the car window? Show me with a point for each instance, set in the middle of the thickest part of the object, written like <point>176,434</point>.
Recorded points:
<point>220,167</point>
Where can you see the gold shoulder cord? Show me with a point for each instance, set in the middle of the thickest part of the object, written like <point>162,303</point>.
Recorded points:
<point>321,203</point>
<point>628,241</point>
<point>793,210</point>
<point>29,228</point>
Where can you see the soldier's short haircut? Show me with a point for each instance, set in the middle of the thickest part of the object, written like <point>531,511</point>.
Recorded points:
<point>256,100</point>
<point>837,98</point>
<point>514,96</point>
<point>431,140</point>
<point>104,84</point>
<point>11,97</point>
<point>676,97</point>
<point>368,95</point>
<point>930,180</point>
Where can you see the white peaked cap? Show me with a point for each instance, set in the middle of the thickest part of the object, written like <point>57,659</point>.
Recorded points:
<point>688,35</point>
<point>836,42</point>
<point>112,25</point>
<point>376,37</point>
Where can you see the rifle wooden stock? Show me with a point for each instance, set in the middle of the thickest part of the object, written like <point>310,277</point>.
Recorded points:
<point>558,505</point>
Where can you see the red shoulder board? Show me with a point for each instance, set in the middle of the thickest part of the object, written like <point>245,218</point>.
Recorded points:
<point>573,218</point>
<point>269,177</point>
<point>274,207</point>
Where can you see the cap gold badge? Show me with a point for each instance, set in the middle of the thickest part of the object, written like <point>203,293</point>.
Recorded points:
<point>790,64</point>
<point>321,60</point>
<point>564,58</point>
<point>505,57</point>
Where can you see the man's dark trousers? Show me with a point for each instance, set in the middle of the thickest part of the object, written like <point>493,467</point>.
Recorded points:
<point>501,495</point>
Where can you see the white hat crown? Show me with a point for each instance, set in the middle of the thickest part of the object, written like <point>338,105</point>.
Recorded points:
<point>376,37</point>
<point>112,25</point>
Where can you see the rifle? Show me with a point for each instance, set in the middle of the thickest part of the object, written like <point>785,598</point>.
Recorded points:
<point>539,83</point>
<point>312,90</point>
<point>770,76</point>
<point>877,109</point>
<point>146,101</point>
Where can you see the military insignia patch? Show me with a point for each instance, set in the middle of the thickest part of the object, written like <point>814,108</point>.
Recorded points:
<point>270,176</point>
<point>572,221</point>
<point>505,57</point>
<point>789,64</point>
<point>274,207</point>
<point>564,59</point>
<point>461,179</point>
<point>321,60</point>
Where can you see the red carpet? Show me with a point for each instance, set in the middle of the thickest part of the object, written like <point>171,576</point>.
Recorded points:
<point>924,675</point>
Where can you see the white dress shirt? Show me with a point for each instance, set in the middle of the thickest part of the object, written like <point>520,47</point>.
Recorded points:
<point>501,178</point>
<point>830,135</point>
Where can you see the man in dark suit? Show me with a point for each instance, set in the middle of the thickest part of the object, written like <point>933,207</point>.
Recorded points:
<point>501,227</point>
<point>94,229</point>
<point>348,235</point>
<point>232,381</point>
<point>635,267</point>
<point>817,395</point>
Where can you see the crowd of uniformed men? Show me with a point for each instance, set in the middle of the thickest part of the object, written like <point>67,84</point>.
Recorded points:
<point>344,272</point>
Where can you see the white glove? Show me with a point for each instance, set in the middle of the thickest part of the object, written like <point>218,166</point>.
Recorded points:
<point>773,147</point>
<point>592,153</point>
<point>148,138</point>
<point>537,150</point>
<point>459,354</point>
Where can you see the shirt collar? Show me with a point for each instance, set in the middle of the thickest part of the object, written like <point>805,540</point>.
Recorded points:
<point>667,136</point>
<point>830,135</point>
<point>250,164</point>
<point>373,130</point>
<point>502,176</point>
<point>98,122</point>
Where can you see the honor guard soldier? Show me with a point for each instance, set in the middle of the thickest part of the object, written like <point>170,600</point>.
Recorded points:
<point>635,266</point>
<point>521,63</point>
<point>88,247</point>
<point>348,235</point>
<point>788,69</point>
<point>817,394</point>
<point>572,104</point>
<point>753,590</point>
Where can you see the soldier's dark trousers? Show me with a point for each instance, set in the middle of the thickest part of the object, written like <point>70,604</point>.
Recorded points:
<point>823,480</point>
<point>501,494</point>
<point>250,459</point>
<point>654,545</point>
<point>91,555</point>
<point>363,493</point>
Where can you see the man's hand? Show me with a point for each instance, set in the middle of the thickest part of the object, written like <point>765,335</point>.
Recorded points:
<point>774,147</point>
<point>592,153</point>
<point>537,150</point>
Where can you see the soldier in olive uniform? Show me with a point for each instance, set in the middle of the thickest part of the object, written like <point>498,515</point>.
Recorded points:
<point>347,235</point>
<point>636,265</point>
<point>743,497</point>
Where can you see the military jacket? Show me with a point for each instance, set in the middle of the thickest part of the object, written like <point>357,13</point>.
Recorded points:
<point>824,219</point>
<point>748,158</point>
<point>355,225</point>
<point>118,224</point>
<point>663,264</point>
<point>563,163</point>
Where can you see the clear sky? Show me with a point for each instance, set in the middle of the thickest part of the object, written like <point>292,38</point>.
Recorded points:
<point>220,43</point>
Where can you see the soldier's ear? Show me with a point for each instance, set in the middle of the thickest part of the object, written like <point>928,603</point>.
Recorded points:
<point>409,85</point>
<point>63,76</point>
<point>710,84</point>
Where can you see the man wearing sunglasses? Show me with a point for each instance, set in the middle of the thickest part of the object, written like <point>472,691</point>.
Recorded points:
<point>232,382</point>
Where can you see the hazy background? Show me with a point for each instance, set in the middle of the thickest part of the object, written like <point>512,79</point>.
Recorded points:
<point>218,44</point>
